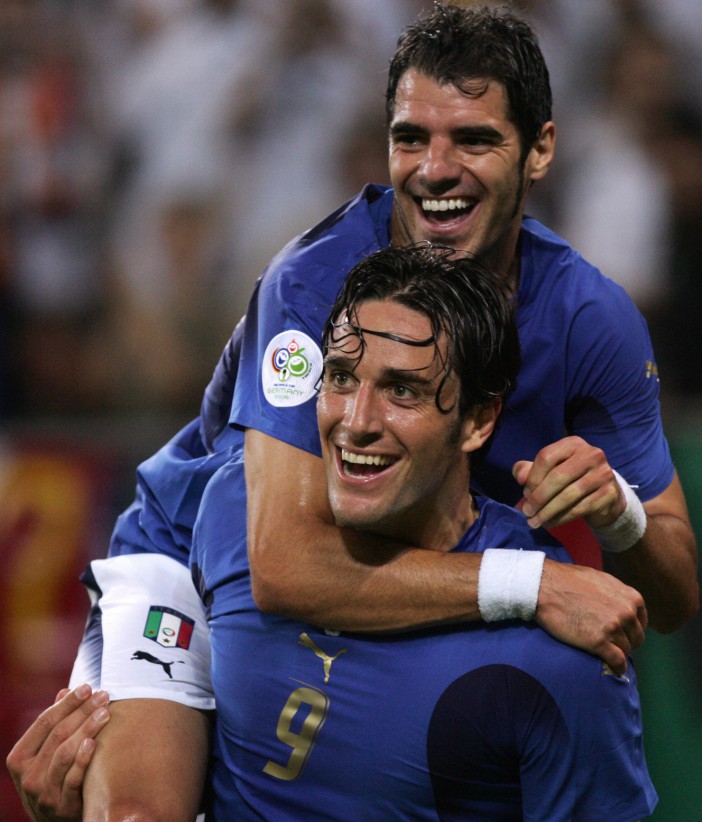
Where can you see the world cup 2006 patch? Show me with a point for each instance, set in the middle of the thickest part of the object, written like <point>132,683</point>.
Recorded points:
<point>291,369</point>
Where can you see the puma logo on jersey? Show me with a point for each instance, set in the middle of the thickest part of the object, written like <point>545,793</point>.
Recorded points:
<point>326,659</point>
<point>607,671</point>
<point>150,658</point>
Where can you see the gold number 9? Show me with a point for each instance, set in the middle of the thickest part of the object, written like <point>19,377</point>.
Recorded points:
<point>303,741</point>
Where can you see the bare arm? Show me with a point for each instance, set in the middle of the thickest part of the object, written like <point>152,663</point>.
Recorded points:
<point>305,567</point>
<point>572,479</point>
<point>663,564</point>
<point>150,763</point>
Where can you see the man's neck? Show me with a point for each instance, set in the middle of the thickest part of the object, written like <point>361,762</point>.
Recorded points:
<point>509,273</point>
<point>433,531</point>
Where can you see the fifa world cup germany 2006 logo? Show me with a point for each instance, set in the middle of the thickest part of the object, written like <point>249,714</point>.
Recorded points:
<point>290,369</point>
<point>290,361</point>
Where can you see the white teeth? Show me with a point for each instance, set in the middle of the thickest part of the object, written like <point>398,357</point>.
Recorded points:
<point>365,459</point>
<point>444,205</point>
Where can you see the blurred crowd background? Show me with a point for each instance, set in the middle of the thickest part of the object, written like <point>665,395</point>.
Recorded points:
<point>154,154</point>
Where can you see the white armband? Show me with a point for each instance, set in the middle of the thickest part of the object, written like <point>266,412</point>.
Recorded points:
<point>629,527</point>
<point>149,636</point>
<point>508,583</point>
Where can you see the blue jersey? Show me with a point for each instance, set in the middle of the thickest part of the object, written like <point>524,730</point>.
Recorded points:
<point>471,722</point>
<point>588,365</point>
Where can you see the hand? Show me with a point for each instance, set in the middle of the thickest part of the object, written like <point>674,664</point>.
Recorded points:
<point>567,480</point>
<point>48,763</point>
<point>591,610</point>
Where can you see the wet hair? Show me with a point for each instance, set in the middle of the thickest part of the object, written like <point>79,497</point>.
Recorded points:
<point>461,299</point>
<point>455,45</point>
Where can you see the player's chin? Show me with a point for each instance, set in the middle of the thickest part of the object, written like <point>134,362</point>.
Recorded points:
<point>351,511</point>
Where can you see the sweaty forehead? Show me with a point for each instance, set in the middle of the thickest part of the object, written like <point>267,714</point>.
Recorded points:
<point>388,319</point>
<point>387,336</point>
<point>466,97</point>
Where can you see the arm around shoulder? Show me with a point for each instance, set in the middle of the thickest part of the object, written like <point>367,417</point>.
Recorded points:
<point>305,567</point>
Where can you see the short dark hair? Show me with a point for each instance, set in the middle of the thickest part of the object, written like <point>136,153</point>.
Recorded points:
<point>461,299</point>
<point>453,45</point>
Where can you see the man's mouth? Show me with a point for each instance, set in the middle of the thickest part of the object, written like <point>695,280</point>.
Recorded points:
<point>359,466</point>
<point>445,210</point>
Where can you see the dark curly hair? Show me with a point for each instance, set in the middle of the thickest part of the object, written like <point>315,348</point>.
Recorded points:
<point>461,299</point>
<point>459,45</point>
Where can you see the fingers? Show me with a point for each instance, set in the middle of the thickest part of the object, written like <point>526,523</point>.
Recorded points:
<point>613,656</point>
<point>74,716</point>
<point>593,611</point>
<point>71,707</point>
<point>72,756</point>
<point>60,695</point>
<point>72,800</point>
<point>48,763</point>
<point>520,471</point>
<point>567,480</point>
<point>623,639</point>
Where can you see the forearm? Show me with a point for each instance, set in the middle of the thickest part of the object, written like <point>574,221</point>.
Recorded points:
<point>662,565</point>
<point>304,567</point>
<point>150,763</point>
<point>334,578</point>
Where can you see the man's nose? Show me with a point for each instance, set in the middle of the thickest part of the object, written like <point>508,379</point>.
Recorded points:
<point>439,168</point>
<point>364,416</point>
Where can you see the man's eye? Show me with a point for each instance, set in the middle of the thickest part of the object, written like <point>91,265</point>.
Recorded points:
<point>477,143</point>
<point>406,140</point>
<point>402,392</point>
<point>339,378</point>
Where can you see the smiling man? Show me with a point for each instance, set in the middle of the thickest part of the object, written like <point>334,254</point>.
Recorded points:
<point>436,150</point>
<point>470,131</point>
<point>393,417</point>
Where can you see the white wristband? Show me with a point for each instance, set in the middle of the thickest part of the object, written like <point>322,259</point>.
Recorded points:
<point>508,583</point>
<point>629,527</point>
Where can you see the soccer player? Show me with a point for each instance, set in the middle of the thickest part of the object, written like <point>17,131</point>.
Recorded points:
<point>463,722</point>
<point>470,131</point>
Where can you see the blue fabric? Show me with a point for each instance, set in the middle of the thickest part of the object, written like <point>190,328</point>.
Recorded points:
<point>383,733</point>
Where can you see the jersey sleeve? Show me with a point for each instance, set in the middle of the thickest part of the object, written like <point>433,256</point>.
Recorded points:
<point>602,771</point>
<point>217,399</point>
<point>613,391</point>
<point>281,364</point>
<point>281,360</point>
<point>146,574</point>
<point>147,634</point>
<point>169,487</point>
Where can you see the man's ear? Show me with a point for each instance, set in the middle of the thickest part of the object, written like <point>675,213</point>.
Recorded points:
<point>541,153</point>
<point>478,427</point>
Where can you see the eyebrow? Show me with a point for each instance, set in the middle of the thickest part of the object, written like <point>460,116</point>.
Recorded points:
<point>481,131</point>
<point>411,376</point>
<point>337,361</point>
